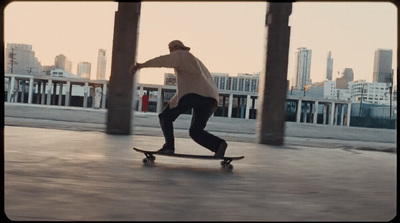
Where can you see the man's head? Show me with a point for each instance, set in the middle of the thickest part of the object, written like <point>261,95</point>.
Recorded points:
<point>177,45</point>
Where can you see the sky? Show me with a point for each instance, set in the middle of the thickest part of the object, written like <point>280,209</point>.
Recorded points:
<point>229,37</point>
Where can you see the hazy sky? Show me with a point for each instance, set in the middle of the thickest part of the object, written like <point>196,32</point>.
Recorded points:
<point>229,37</point>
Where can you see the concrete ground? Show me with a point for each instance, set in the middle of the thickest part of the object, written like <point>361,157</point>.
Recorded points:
<point>74,171</point>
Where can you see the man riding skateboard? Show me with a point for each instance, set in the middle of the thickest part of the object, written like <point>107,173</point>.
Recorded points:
<point>195,90</point>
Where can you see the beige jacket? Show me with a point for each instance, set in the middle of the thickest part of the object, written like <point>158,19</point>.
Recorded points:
<point>191,74</point>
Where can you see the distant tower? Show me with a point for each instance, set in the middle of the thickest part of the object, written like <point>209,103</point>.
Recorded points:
<point>382,66</point>
<point>329,66</point>
<point>101,65</point>
<point>348,73</point>
<point>62,62</point>
<point>303,65</point>
<point>84,70</point>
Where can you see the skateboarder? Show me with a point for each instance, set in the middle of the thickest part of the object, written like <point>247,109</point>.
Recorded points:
<point>195,90</point>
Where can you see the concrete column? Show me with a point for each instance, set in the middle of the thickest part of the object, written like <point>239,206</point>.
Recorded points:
<point>159,100</point>
<point>348,113</point>
<point>140,105</point>
<point>30,94</point>
<point>342,115</point>
<point>68,93</point>
<point>23,91</point>
<point>48,100</point>
<point>335,117</point>
<point>16,94</point>
<point>60,94</point>
<point>122,84</point>
<point>104,97</point>
<point>304,109</point>
<point>230,105</point>
<point>273,84</point>
<point>242,107</point>
<point>298,110</point>
<point>315,117</point>
<point>324,115</point>
<point>43,94</point>
<point>248,105</point>
<point>39,92</point>
<point>53,97</point>
<point>11,87</point>
<point>223,105</point>
<point>85,94</point>
<point>332,113</point>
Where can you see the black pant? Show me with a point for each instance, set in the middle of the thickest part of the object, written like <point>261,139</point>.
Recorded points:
<point>202,107</point>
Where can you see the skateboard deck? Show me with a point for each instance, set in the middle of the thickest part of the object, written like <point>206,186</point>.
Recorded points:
<point>225,163</point>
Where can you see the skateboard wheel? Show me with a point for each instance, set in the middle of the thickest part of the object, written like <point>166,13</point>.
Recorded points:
<point>229,167</point>
<point>145,161</point>
<point>152,158</point>
<point>223,163</point>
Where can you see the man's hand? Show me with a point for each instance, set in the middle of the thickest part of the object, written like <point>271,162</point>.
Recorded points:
<point>135,67</point>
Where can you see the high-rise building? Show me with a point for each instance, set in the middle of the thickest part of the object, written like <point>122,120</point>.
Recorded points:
<point>84,70</point>
<point>303,66</point>
<point>20,59</point>
<point>348,73</point>
<point>383,66</point>
<point>62,62</point>
<point>101,65</point>
<point>329,66</point>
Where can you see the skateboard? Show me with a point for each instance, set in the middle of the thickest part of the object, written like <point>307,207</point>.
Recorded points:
<point>225,163</point>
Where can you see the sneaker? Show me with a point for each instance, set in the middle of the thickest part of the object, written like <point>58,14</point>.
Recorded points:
<point>220,152</point>
<point>166,151</point>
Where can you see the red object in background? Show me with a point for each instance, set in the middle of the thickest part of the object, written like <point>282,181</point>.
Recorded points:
<point>145,102</point>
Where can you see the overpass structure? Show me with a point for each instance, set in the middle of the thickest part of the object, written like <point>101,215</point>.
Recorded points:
<point>48,90</point>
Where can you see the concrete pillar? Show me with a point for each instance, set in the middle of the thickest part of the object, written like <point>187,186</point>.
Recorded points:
<point>85,94</point>
<point>315,117</point>
<point>311,118</point>
<point>30,94</point>
<point>248,104</point>
<point>332,113</point>
<point>230,105</point>
<point>304,109</point>
<point>348,113</point>
<point>342,115</point>
<point>122,84</point>
<point>44,87</point>
<point>140,104</point>
<point>335,118</point>
<point>16,94</point>
<point>60,94</point>
<point>39,84</point>
<point>104,97</point>
<point>53,96</point>
<point>48,99</point>
<point>298,110</point>
<point>68,93</point>
<point>11,87</point>
<point>273,84</point>
<point>223,105</point>
<point>159,100</point>
<point>23,91</point>
<point>242,107</point>
<point>324,114</point>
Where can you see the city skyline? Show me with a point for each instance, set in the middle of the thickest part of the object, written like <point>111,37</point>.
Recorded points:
<point>223,51</point>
